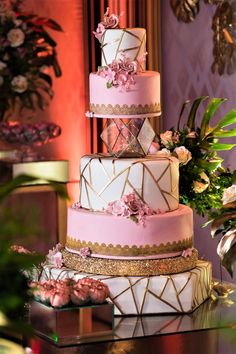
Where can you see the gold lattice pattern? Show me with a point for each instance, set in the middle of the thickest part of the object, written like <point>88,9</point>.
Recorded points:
<point>118,42</point>
<point>126,251</point>
<point>165,195</point>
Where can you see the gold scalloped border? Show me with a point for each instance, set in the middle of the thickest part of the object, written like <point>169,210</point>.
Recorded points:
<point>146,267</point>
<point>127,251</point>
<point>124,109</point>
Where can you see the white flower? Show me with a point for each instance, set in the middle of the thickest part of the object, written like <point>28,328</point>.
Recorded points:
<point>2,65</point>
<point>183,154</point>
<point>229,195</point>
<point>200,187</point>
<point>19,83</point>
<point>163,153</point>
<point>16,37</point>
<point>1,80</point>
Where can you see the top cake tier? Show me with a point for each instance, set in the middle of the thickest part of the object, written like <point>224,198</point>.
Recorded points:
<point>131,41</point>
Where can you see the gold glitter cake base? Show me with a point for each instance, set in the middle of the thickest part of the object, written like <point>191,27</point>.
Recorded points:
<point>130,267</point>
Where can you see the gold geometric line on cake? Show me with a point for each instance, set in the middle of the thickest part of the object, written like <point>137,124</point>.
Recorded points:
<point>129,251</point>
<point>126,170</point>
<point>164,287</point>
<point>188,280</point>
<point>163,300</point>
<point>133,295</point>
<point>124,109</point>
<point>142,41</point>
<point>120,41</point>
<point>144,296</point>
<point>176,294</point>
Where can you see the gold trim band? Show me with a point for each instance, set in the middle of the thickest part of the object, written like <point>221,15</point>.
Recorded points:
<point>127,251</point>
<point>125,109</point>
<point>130,268</point>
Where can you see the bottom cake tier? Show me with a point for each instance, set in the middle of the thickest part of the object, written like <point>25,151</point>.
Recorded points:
<point>177,293</point>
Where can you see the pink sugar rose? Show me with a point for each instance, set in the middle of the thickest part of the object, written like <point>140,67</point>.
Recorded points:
<point>60,296</point>
<point>98,292</point>
<point>187,253</point>
<point>99,31</point>
<point>166,138</point>
<point>85,252</point>
<point>111,21</point>
<point>117,208</point>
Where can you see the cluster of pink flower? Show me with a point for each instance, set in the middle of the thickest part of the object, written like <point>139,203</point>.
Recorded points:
<point>54,256</point>
<point>120,73</point>
<point>130,206</point>
<point>60,293</point>
<point>111,21</point>
<point>37,134</point>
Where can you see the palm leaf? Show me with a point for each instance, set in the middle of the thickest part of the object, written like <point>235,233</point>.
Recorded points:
<point>221,147</point>
<point>181,113</point>
<point>193,111</point>
<point>225,133</point>
<point>209,113</point>
<point>220,221</point>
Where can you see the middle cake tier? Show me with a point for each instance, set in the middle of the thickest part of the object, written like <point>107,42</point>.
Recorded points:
<point>114,237</point>
<point>104,179</point>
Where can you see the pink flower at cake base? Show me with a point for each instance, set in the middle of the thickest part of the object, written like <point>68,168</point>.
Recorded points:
<point>61,296</point>
<point>187,253</point>
<point>166,138</point>
<point>98,292</point>
<point>85,252</point>
<point>54,256</point>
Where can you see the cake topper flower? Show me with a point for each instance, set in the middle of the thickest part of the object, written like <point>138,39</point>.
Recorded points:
<point>121,72</point>
<point>111,21</point>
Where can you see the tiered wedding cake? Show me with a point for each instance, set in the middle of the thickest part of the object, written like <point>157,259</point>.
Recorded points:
<point>128,228</point>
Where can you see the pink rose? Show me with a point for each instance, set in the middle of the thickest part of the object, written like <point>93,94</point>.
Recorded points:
<point>111,21</point>
<point>117,208</point>
<point>85,252</point>
<point>61,296</point>
<point>99,31</point>
<point>187,253</point>
<point>129,66</point>
<point>166,138</point>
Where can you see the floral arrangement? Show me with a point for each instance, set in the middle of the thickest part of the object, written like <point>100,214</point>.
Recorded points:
<point>224,223</point>
<point>27,52</point>
<point>202,177</point>
<point>29,134</point>
<point>121,72</point>
<point>111,21</point>
<point>131,207</point>
<point>68,292</point>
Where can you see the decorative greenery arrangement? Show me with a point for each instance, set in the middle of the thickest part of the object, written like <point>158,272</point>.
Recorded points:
<point>203,181</point>
<point>202,178</point>
<point>27,52</point>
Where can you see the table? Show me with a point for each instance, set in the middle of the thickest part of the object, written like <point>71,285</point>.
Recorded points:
<point>206,331</point>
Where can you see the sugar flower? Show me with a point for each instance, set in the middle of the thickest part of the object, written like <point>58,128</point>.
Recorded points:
<point>111,21</point>
<point>54,256</point>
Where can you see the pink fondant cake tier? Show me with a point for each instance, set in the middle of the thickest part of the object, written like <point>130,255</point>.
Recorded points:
<point>115,237</point>
<point>143,98</point>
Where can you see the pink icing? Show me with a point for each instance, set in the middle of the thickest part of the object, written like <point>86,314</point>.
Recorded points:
<point>146,91</point>
<point>98,227</point>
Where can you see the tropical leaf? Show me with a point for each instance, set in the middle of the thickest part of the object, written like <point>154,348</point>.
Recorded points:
<point>209,113</point>
<point>229,260</point>
<point>220,221</point>
<point>221,147</point>
<point>226,242</point>
<point>211,165</point>
<point>193,111</point>
<point>224,133</point>
<point>227,120</point>
<point>185,104</point>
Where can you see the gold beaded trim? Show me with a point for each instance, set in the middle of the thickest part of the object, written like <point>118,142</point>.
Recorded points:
<point>124,109</point>
<point>130,268</point>
<point>127,251</point>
